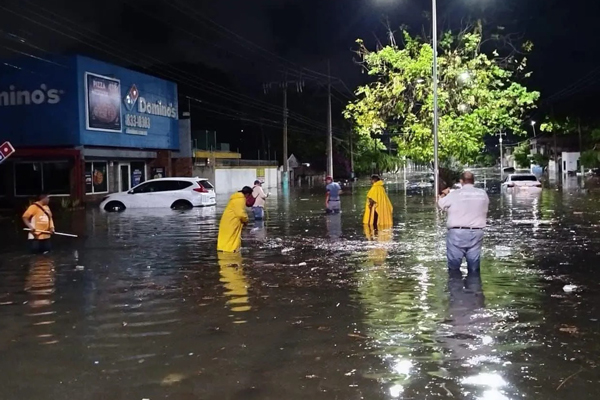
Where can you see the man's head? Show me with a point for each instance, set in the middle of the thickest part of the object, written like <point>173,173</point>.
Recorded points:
<point>44,199</point>
<point>328,180</point>
<point>257,183</point>
<point>246,191</point>
<point>467,178</point>
<point>375,178</point>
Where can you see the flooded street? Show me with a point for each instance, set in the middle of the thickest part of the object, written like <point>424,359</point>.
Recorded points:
<point>315,307</point>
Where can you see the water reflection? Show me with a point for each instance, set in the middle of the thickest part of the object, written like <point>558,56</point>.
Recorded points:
<point>235,283</point>
<point>334,226</point>
<point>40,285</point>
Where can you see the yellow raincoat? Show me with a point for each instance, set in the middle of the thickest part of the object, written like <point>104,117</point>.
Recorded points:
<point>383,207</point>
<point>233,220</point>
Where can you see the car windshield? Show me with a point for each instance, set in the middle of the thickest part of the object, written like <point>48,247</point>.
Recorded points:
<point>523,178</point>
<point>206,184</point>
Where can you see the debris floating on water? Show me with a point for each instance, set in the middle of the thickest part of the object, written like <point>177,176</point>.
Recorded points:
<point>287,249</point>
<point>569,288</point>
<point>302,264</point>
<point>79,267</point>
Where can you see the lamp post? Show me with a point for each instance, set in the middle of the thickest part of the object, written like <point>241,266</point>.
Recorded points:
<point>533,126</point>
<point>436,171</point>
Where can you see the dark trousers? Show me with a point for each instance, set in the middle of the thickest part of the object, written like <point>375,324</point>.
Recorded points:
<point>40,246</point>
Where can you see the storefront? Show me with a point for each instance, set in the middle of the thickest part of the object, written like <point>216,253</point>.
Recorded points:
<point>83,128</point>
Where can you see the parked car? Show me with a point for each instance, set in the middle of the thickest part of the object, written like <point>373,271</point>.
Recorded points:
<point>514,182</point>
<point>176,193</point>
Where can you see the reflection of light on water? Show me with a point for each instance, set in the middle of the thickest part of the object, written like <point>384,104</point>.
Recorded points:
<point>402,367</point>
<point>396,391</point>
<point>488,379</point>
<point>493,395</point>
<point>234,280</point>
<point>487,340</point>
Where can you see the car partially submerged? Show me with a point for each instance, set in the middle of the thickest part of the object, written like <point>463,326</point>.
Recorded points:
<point>521,181</point>
<point>176,193</point>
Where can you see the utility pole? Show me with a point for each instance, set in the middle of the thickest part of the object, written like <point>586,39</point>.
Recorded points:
<point>329,124</point>
<point>284,86</point>
<point>580,151</point>
<point>286,164</point>
<point>501,154</point>
<point>351,158</point>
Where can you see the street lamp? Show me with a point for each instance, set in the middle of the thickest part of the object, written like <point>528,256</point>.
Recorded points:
<point>436,167</point>
<point>533,126</point>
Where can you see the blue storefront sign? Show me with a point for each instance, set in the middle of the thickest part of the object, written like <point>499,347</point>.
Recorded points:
<point>78,101</point>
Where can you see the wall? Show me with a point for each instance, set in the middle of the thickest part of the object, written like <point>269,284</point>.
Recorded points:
<point>38,103</point>
<point>232,179</point>
<point>570,162</point>
<point>127,95</point>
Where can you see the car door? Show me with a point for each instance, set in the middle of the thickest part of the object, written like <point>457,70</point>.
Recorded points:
<point>141,195</point>
<point>168,192</point>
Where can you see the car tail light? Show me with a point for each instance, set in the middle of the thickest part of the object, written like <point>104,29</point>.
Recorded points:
<point>201,189</point>
<point>538,185</point>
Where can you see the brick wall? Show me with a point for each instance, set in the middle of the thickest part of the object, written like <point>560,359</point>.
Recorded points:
<point>163,159</point>
<point>182,167</point>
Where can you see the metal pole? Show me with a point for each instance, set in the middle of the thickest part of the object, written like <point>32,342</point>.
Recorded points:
<point>285,137</point>
<point>501,159</point>
<point>436,171</point>
<point>580,152</point>
<point>329,125</point>
<point>351,157</point>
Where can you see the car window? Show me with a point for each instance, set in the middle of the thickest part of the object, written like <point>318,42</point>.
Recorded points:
<point>184,184</point>
<point>524,178</point>
<point>143,188</point>
<point>205,184</point>
<point>161,186</point>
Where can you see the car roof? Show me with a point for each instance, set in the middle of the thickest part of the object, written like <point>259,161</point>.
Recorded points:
<point>174,178</point>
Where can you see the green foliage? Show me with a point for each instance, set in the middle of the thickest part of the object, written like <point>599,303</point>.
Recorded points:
<point>521,155</point>
<point>559,126</point>
<point>590,159</point>
<point>478,95</point>
<point>371,156</point>
<point>486,160</point>
<point>541,159</point>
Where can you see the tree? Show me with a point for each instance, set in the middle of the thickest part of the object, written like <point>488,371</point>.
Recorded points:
<point>590,159</point>
<point>478,95</point>
<point>522,155</point>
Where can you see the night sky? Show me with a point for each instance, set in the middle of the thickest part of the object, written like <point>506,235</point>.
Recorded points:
<point>220,51</point>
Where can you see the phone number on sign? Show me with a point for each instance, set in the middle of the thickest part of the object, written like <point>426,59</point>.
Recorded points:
<point>137,121</point>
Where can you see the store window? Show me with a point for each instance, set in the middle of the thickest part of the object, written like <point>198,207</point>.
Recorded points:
<point>33,178</point>
<point>96,177</point>
<point>138,172</point>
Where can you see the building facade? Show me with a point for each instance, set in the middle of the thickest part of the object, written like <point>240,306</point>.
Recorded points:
<point>84,128</point>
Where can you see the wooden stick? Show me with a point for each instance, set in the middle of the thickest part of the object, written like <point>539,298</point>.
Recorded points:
<point>51,233</point>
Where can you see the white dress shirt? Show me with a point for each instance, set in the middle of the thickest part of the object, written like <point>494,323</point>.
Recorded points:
<point>466,207</point>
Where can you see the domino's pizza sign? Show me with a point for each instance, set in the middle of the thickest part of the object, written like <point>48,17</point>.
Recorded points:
<point>6,150</point>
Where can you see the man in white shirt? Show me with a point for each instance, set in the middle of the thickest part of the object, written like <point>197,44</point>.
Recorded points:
<point>258,208</point>
<point>467,210</point>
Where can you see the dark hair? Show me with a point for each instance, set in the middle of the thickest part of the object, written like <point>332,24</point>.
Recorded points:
<point>257,182</point>
<point>43,195</point>
<point>375,178</point>
<point>246,190</point>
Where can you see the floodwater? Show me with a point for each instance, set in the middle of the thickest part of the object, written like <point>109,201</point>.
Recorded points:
<point>315,307</point>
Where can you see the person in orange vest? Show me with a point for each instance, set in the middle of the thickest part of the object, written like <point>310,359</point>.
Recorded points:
<point>38,219</point>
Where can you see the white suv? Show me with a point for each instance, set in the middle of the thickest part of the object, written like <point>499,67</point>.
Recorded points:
<point>165,192</point>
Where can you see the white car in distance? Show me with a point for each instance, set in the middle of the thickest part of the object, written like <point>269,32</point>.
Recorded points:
<point>176,193</point>
<point>521,182</point>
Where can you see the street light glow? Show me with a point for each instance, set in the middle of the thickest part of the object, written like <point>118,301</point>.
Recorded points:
<point>533,123</point>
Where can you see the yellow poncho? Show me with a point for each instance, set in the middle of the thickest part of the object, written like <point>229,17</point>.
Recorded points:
<point>383,207</point>
<point>233,220</point>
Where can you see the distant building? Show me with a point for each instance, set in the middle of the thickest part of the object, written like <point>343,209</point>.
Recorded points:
<point>83,128</point>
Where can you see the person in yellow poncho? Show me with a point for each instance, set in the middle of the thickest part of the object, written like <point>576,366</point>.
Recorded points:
<point>232,221</point>
<point>378,210</point>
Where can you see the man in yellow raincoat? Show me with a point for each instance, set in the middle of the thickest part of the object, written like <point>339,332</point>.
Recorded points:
<point>232,221</point>
<point>378,210</point>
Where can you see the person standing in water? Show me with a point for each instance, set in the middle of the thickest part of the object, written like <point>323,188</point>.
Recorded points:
<point>378,210</point>
<point>258,208</point>
<point>232,221</point>
<point>332,197</point>
<point>38,219</point>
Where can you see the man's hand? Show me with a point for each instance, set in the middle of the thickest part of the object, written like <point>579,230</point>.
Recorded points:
<point>52,230</point>
<point>445,192</point>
